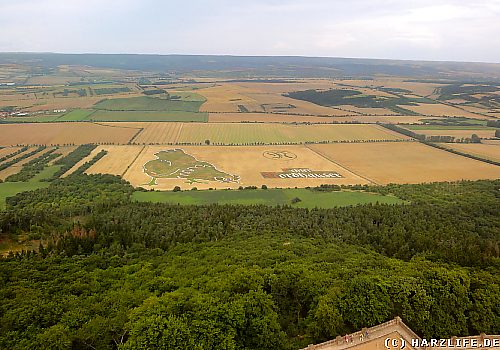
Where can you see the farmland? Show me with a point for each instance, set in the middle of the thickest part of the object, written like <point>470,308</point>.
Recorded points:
<point>405,162</point>
<point>488,151</point>
<point>252,218</point>
<point>255,133</point>
<point>276,133</point>
<point>76,115</point>
<point>252,172</point>
<point>220,129</point>
<point>148,116</point>
<point>145,103</point>
<point>117,161</point>
<point>63,134</point>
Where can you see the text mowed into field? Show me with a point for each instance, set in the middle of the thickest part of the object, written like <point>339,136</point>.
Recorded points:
<point>255,133</point>
<point>405,162</point>
<point>164,167</point>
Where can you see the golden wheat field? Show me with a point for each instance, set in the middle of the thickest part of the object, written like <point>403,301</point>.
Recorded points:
<point>116,161</point>
<point>405,162</point>
<point>248,163</point>
<point>488,151</point>
<point>7,150</point>
<point>62,134</point>
<point>440,110</point>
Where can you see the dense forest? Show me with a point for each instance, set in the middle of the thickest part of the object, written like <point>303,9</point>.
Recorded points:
<point>114,274</point>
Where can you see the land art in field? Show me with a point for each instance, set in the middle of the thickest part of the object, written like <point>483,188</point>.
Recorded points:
<point>176,164</point>
<point>219,167</point>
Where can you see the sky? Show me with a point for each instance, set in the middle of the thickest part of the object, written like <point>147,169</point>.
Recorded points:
<point>443,30</point>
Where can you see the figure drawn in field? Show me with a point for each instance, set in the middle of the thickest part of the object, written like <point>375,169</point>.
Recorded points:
<point>176,164</point>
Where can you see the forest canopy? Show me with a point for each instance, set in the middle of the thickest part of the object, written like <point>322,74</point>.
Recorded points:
<point>114,274</point>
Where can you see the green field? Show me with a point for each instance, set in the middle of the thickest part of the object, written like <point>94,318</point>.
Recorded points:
<point>144,103</point>
<point>309,199</point>
<point>76,116</point>
<point>9,189</point>
<point>34,119</point>
<point>147,116</point>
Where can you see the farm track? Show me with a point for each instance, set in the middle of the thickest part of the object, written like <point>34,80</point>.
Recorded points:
<point>133,161</point>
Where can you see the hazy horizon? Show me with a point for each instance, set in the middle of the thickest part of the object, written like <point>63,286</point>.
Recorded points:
<point>440,30</point>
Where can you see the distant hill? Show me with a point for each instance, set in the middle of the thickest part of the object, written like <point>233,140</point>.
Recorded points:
<point>252,66</point>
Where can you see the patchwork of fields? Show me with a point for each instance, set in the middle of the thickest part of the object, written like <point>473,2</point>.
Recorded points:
<point>294,166</point>
<point>280,133</point>
<point>248,163</point>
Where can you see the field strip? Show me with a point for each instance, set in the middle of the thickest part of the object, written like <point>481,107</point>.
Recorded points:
<point>80,163</point>
<point>176,139</point>
<point>340,165</point>
<point>133,161</point>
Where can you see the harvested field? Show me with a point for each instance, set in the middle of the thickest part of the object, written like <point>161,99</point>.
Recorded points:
<point>219,133</point>
<point>154,132</point>
<point>246,164</point>
<point>265,118</point>
<point>254,133</point>
<point>63,134</point>
<point>117,161</point>
<point>439,110</point>
<point>487,151</point>
<point>270,103</point>
<point>390,119</point>
<point>264,97</point>
<point>290,118</point>
<point>8,150</point>
<point>422,89</point>
<point>224,98</point>
<point>405,162</point>
<point>366,111</point>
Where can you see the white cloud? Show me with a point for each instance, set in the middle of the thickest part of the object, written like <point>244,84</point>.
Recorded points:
<point>420,29</point>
